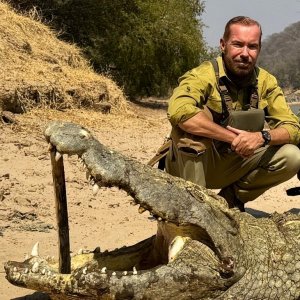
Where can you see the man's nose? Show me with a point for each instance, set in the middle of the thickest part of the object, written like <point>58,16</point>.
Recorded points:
<point>245,51</point>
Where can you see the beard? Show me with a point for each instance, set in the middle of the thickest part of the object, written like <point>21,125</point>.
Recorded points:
<point>238,69</point>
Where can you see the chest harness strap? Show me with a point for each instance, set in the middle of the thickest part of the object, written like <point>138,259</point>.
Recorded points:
<point>225,96</point>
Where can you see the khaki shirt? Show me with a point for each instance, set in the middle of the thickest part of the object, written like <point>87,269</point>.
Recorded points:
<point>198,87</point>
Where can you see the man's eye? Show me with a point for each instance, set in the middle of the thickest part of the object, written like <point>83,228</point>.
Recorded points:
<point>253,47</point>
<point>237,45</point>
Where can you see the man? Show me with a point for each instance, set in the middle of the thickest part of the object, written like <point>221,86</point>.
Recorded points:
<point>243,164</point>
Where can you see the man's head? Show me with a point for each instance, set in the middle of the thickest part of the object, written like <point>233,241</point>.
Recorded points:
<point>240,46</point>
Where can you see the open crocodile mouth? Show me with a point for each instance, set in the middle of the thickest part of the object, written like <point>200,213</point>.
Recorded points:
<point>97,272</point>
<point>148,254</point>
<point>171,253</point>
<point>143,258</point>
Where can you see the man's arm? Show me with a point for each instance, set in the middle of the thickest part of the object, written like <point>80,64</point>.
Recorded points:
<point>284,124</point>
<point>202,125</point>
<point>246,142</point>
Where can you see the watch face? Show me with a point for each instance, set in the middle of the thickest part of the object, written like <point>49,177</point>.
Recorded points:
<point>266,136</point>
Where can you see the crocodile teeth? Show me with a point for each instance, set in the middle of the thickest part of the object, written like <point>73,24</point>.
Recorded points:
<point>142,209</point>
<point>84,271</point>
<point>58,156</point>
<point>49,273</point>
<point>26,271</point>
<point>103,270</point>
<point>159,219</point>
<point>35,249</point>
<point>87,175</point>
<point>124,273</point>
<point>15,269</point>
<point>35,267</point>
<point>176,246</point>
<point>84,133</point>
<point>43,272</point>
<point>80,251</point>
<point>95,189</point>
<point>113,273</point>
<point>134,271</point>
<point>26,256</point>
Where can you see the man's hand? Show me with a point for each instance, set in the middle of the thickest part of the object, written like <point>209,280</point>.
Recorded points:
<point>245,143</point>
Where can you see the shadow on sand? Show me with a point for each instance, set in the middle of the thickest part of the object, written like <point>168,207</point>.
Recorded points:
<point>34,296</point>
<point>262,214</point>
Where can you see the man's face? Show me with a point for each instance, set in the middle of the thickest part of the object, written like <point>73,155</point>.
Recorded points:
<point>241,49</point>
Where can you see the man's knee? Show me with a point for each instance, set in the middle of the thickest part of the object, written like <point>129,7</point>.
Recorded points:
<point>290,157</point>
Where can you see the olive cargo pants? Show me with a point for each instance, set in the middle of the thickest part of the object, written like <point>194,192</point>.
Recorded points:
<point>246,178</point>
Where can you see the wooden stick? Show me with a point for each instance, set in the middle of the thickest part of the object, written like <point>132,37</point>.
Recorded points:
<point>58,174</point>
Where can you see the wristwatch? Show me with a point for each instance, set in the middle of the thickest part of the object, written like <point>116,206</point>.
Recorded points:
<point>266,136</point>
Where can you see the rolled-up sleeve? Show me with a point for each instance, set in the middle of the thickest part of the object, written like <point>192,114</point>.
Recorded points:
<point>279,112</point>
<point>191,94</point>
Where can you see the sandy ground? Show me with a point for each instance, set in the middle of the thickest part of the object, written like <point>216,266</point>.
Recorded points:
<point>27,208</point>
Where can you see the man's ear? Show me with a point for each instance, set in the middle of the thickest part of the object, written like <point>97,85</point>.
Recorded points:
<point>222,44</point>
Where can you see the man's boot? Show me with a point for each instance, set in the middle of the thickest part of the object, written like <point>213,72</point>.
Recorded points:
<point>233,202</point>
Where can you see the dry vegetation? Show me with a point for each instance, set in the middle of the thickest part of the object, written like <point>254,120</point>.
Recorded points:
<point>37,69</point>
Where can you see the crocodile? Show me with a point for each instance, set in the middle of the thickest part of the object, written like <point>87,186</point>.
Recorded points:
<point>202,249</point>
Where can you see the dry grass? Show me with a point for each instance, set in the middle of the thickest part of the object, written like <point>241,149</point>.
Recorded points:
<point>37,69</point>
<point>35,120</point>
